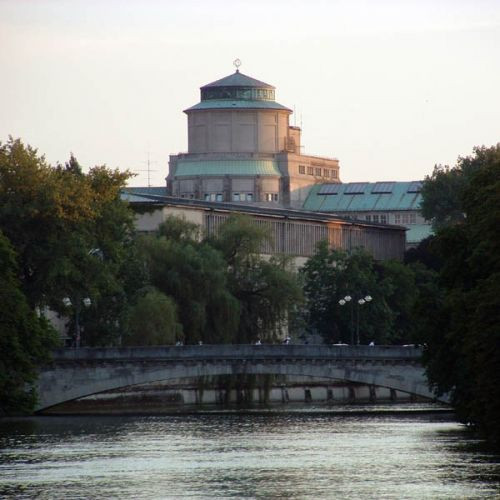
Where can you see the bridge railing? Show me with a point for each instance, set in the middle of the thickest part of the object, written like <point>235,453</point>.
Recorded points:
<point>239,351</point>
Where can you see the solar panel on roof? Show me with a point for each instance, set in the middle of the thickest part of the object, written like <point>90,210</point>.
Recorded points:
<point>415,187</point>
<point>329,189</point>
<point>355,188</point>
<point>383,187</point>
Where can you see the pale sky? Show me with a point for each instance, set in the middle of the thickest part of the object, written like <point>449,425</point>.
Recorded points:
<point>390,88</point>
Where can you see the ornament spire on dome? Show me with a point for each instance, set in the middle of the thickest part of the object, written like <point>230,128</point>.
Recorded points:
<point>237,64</point>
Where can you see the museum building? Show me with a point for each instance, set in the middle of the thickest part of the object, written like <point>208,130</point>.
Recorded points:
<point>244,157</point>
<point>242,149</point>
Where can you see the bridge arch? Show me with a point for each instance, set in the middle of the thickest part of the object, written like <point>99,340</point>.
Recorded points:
<point>79,373</point>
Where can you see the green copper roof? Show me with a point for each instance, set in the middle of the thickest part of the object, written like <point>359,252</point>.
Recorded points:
<point>237,91</point>
<point>236,104</point>
<point>364,196</point>
<point>238,79</point>
<point>187,168</point>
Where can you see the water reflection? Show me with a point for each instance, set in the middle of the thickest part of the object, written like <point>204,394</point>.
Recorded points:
<point>244,456</point>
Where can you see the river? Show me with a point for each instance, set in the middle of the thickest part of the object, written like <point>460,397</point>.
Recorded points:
<point>295,454</point>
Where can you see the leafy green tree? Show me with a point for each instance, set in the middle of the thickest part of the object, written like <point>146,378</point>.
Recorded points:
<point>443,191</point>
<point>397,284</point>
<point>463,337</point>
<point>193,274</point>
<point>25,339</point>
<point>267,290</point>
<point>70,230</point>
<point>331,275</point>
<point>152,320</point>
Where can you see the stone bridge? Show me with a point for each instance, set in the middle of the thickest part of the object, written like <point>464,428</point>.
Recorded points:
<point>75,373</point>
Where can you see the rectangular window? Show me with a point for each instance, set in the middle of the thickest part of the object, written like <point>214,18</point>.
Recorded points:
<point>326,172</point>
<point>413,218</point>
<point>236,196</point>
<point>375,218</point>
<point>310,171</point>
<point>406,219</point>
<point>302,169</point>
<point>369,218</point>
<point>317,171</point>
<point>249,196</point>
<point>206,197</point>
<point>275,196</point>
<point>397,218</point>
<point>383,219</point>
<point>334,174</point>
<point>218,197</point>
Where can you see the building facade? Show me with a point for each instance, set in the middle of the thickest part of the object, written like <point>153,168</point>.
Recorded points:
<point>295,233</point>
<point>242,149</point>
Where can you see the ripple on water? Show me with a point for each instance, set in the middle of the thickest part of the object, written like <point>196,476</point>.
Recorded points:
<point>244,456</point>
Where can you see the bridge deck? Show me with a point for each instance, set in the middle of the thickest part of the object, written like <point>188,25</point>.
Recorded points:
<point>240,351</point>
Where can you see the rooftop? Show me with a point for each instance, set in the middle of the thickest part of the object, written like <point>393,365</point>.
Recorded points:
<point>226,167</point>
<point>141,196</point>
<point>364,196</point>
<point>236,104</point>
<point>237,91</point>
<point>238,79</point>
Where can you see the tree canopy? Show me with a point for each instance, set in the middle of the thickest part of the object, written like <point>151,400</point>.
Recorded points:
<point>443,191</point>
<point>461,322</point>
<point>331,275</point>
<point>70,230</point>
<point>223,289</point>
<point>25,339</point>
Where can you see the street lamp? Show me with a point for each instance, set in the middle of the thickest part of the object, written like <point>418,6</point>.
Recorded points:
<point>359,302</point>
<point>364,300</point>
<point>343,302</point>
<point>68,303</point>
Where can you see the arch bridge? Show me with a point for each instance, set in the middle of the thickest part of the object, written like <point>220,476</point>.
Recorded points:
<point>75,373</point>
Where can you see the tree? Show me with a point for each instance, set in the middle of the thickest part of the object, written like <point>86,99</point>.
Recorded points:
<point>193,274</point>
<point>330,275</point>
<point>25,339</point>
<point>443,191</point>
<point>267,290</point>
<point>70,230</point>
<point>152,320</point>
<point>462,358</point>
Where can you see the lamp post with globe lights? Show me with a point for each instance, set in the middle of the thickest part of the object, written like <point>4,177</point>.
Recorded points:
<point>346,300</point>
<point>360,301</point>
<point>77,308</point>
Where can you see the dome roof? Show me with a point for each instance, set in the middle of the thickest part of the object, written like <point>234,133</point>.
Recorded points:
<point>237,91</point>
<point>238,79</point>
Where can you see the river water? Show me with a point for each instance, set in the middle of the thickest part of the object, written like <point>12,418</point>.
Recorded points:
<point>295,455</point>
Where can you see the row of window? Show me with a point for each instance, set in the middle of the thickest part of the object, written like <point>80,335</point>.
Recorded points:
<point>398,218</point>
<point>318,171</point>
<point>405,218</point>
<point>213,197</point>
<point>377,218</point>
<point>236,196</point>
<point>237,93</point>
<point>242,196</point>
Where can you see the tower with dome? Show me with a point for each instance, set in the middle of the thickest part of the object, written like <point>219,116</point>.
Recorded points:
<point>242,149</point>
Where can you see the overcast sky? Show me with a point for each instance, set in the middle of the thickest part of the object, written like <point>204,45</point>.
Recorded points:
<point>390,88</point>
